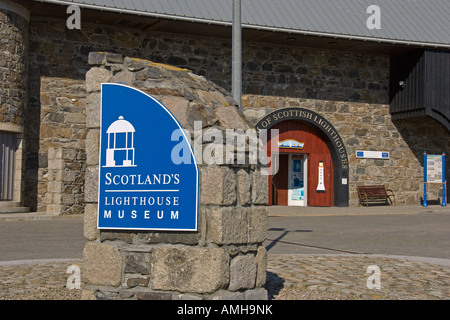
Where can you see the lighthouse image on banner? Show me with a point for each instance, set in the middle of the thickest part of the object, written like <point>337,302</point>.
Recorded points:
<point>140,187</point>
<point>120,142</point>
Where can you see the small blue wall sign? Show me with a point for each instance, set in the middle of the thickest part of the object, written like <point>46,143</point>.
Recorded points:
<point>140,186</point>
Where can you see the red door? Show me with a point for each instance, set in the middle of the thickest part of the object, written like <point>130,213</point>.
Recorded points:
<point>317,152</point>
<point>280,182</point>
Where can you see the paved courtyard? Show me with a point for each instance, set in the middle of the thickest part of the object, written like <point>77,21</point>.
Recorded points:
<point>310,257</point>
<point>289,277</point>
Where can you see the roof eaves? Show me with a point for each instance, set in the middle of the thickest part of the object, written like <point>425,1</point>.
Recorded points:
<point>82,4</point>
<point>136,12</point>
<point>349,37</point>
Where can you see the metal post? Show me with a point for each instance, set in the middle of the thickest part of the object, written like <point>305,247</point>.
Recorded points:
<point>444,182</point>
<point>425,204</point>
<point>236,66</point>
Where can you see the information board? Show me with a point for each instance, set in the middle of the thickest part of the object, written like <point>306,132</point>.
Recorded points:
<point>140,185</point>
<point>434,172</point>
<point>434,168</point>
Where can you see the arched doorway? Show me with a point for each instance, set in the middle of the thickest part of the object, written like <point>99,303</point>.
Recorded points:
<point>303,154</point>
<point>313,163</point>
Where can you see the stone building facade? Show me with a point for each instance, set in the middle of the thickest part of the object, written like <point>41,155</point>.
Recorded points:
<point>47,101</point>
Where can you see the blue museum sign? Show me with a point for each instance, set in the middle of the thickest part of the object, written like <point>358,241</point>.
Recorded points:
<point>140,186</point>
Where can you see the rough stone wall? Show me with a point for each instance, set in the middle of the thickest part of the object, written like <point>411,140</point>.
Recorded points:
<point>423,134</point>
<point>367,126</point>
<point>268,69</point>
<point>13,67</point>
<point>315,74</point>
<point>56,141</point>
<point>225,259</point>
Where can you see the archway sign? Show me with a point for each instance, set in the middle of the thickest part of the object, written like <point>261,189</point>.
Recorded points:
<point>332,139</point>
<point>140,186</point>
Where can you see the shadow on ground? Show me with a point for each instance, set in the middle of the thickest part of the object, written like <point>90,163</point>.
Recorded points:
<point>274,284</point>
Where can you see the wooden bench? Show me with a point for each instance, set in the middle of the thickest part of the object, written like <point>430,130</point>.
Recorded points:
<point>375,193</point>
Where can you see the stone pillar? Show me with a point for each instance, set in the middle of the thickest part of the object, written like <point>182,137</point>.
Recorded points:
<point>65,172</point>
<point>14,21</point>
<point>225,258</point>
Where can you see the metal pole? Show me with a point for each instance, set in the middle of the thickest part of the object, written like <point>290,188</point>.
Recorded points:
<point>444,182</point>
<point>425,203</point>
<point>236,66</point>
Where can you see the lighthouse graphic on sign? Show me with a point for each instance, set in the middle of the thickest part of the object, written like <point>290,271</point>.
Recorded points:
<point>120,150</point>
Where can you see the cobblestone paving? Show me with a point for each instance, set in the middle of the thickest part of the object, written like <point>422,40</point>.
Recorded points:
<point>289,277</point>
<point>45,281</point>
<point>345,277</point>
